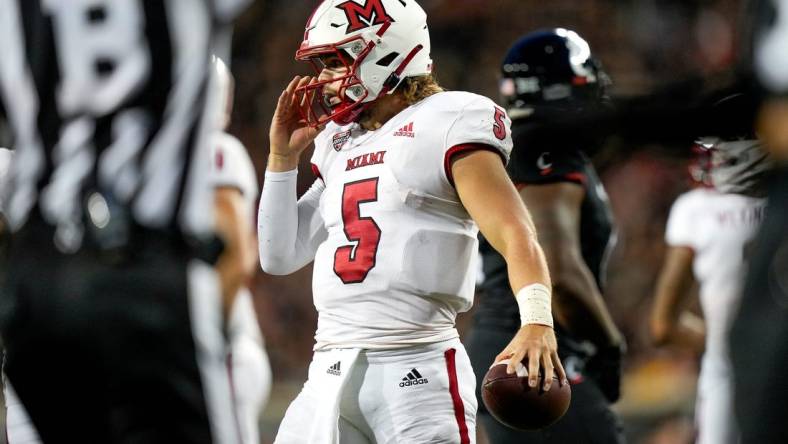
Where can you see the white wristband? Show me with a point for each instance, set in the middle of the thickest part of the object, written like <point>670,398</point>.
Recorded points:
<point>534,303</point>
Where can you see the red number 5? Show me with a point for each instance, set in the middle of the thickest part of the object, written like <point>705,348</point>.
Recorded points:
<point>499,128</point>
<point>352,263</point>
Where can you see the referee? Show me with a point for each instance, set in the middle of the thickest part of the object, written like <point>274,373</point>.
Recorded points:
<point>111,314</point>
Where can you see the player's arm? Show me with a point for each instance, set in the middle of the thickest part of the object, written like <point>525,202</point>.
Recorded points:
<point>670,322</point>
<point>555,209</point>
<point>492,201</point>
<point>239,256</point>
<point>289,229</point>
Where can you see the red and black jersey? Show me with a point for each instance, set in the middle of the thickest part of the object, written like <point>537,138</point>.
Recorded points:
<point>539,159</point>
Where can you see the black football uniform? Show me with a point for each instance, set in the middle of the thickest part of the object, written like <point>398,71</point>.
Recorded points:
<point>110,322</point>
<point>541,159</point>
<point>759,334</point>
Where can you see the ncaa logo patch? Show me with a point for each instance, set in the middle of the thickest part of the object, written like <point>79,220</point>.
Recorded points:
<point>339,139</point>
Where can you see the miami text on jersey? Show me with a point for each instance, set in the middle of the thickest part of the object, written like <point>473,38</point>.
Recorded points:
<point>365,160</point>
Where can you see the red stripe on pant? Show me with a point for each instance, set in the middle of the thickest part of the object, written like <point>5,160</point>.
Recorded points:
<point>454,389</point>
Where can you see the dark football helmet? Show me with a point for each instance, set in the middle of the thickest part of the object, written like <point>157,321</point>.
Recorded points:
<point>551,70</point>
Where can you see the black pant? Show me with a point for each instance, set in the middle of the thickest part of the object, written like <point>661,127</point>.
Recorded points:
<point>100,352</point>
<point>588,420</point>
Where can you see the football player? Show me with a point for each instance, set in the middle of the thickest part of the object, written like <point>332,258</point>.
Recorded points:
<point>233,175</point>
<point>407,174</point>
<point>708,233</point>
<point>547,74</point>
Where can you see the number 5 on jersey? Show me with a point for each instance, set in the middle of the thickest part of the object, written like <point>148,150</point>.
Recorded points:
<point>353,263</point>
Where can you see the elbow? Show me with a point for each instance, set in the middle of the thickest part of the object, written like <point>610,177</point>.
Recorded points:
<point>278,261</point>
<point>275,265</point>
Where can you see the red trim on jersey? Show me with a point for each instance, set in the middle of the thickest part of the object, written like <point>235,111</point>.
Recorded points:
<point>576,177</point>
<point>316,172</point>
<point>454,390</point>
<point>462,149</point>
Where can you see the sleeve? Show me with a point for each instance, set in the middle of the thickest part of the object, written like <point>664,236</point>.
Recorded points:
<point>536,166</point>
<point>678,232</point>
<point>479,125</point>
<point>289,230</point>
<point>231,165</point>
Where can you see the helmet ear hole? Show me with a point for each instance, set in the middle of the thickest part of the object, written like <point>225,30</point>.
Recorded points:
<point>387,59</point>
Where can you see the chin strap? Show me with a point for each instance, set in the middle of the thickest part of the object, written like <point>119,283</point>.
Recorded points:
<point>393,80</point>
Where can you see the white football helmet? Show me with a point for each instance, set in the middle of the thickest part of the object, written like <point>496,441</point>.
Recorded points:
<point>380,42</point>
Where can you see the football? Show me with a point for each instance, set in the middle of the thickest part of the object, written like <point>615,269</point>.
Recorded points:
<point>511,401</point>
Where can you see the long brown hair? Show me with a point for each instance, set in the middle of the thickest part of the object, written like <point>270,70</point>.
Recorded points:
<point>415,89</point>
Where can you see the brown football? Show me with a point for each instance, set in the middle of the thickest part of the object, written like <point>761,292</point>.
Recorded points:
<point>511,401</point>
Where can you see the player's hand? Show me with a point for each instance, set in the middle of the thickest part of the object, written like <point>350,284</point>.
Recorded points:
<point>536,343</point>
<point>289,134</point>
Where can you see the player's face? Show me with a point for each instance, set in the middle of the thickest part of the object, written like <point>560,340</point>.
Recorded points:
<point>333,68</point>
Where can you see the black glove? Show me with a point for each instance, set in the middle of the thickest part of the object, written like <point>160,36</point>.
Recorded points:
<point>604,367</point>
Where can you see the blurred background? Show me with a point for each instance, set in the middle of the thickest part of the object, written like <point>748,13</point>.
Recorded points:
<point>643,45</point>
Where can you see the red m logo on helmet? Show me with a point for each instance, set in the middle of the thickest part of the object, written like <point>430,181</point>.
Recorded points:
<point>360,17</point>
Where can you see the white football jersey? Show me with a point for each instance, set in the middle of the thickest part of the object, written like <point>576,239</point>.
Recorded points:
<point>399,260</point>
<point>232,167</point>
<point>718,227</point>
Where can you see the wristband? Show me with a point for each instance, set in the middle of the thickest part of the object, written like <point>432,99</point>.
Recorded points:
<point>534,303</point>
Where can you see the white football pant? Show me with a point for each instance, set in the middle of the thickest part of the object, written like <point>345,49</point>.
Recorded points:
<point>411,395</point>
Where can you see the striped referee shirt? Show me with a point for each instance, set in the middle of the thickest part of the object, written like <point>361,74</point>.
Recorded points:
<point>113,96</point>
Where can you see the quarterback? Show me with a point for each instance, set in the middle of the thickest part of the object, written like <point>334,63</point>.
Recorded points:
<point>407,175</point>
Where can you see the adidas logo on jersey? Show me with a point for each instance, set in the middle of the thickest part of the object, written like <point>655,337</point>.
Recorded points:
<point>406,131</point>
<point>334,369</point>
<point>413,378</point>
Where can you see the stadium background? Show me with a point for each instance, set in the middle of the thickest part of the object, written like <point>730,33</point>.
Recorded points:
<point>643,44</point>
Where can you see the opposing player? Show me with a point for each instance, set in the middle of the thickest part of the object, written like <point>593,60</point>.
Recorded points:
<point>547,74</point>
<point>709,232</point>
<point>235,180</point>
<point>405,172</point>
<point>759,337</point>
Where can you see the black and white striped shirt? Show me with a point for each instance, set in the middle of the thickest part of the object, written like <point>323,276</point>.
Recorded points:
<point>770,45</point>
<point>113,96</point>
